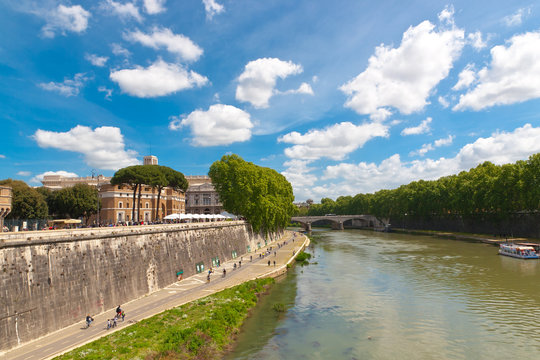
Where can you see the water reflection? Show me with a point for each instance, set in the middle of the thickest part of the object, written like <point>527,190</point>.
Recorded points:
<point>391,296</point>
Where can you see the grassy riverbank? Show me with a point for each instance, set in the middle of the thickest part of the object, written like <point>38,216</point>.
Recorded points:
<point>202,329</point>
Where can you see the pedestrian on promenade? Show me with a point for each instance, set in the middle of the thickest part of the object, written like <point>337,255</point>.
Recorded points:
<point>123,315</point>
<point>240,263</point>
<point>274,263</point>
<point>275,253</point>
<point>234,266</point>
<point>224,272</point>
<point>114,322</point>
<point>108,324</point>
<point>208,277</point>
<point>268,262</point>
<point>118,311</point>
<point>251,258</point>
<point>89,320</point>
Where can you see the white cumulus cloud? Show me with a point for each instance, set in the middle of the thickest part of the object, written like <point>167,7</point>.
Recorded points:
<point>154,6</point>
<point>119,50</point>
<point>466,77</point>
<point>256,84</point>
<point>212,8</point>
<point>404,77</point>
<point>65,18</point>
<point>437,143</point>
<point>334,142</point>
<point>39,177</point>
<point>499,148</point>
<point>512,77</point>
<point>298,173</point>
<point>475,40</point>
<point>517,18</point>
<point>124,10</point>
<point>417,130</point>
<point>96,60</point>
<point>164,38</point>
<point>69,87</point>
<point>304,88</point>
<point>219,125</point>
<point>102,148</point>
<point>159,79</point>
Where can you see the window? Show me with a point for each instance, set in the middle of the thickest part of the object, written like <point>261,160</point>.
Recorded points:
<point>199,267</point>
<point>119,204</point>
<point>206,200</point>
<point>147,205</point>
<point>234,255</point>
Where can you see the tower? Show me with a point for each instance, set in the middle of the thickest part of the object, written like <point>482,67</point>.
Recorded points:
<point>150,160</point>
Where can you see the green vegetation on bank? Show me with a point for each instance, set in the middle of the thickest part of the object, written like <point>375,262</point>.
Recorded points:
<point>488,190</point>
<point>201,329</point>
<point>261,195</point>
<point>302,258</point>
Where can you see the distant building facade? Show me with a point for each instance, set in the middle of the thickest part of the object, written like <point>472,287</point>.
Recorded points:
<point>5,204</point>
<point>117,200</point>
<point>201,196</point>
<point>57,182</point>
<point>117,204</point>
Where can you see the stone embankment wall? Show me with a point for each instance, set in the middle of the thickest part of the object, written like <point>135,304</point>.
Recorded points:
<point>52,279</point>
<point>517,225</point>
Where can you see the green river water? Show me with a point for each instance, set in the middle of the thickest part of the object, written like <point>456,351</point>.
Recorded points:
<point>391,296</point>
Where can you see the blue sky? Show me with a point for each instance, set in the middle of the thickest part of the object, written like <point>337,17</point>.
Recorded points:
<point>342,97</point>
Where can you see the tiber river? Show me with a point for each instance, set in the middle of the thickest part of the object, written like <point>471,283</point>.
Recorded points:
<point>391,296</point>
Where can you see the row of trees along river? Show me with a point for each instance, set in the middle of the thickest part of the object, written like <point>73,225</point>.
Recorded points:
<point>492,191</point>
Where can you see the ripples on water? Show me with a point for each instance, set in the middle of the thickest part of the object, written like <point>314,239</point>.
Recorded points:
<point>390,296</point>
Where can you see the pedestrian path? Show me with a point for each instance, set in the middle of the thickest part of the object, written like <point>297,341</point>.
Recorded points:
<point>176,294</point>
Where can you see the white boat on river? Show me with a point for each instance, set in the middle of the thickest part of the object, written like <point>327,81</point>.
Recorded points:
<point>518,251</point>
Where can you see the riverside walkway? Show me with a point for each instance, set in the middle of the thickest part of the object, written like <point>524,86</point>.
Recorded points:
<point>176,294</point>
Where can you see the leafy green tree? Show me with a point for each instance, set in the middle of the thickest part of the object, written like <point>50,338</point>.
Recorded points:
<point>131,176</point>
<point>27,203</point>
<point>262,195</point>
<point>78,201</point>
<point>156,176</point>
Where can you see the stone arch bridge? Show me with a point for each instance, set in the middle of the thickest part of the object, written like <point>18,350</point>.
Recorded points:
<point>338,220</point>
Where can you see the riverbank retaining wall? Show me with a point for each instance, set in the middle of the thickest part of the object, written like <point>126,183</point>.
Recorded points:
<point>515,225</point>
<point>52,279</point>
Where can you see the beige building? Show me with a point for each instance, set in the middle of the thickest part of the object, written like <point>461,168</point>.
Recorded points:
<point>57,182</point>
<point>5,204</point>
<point>201,196</point>
<point>117,203</point>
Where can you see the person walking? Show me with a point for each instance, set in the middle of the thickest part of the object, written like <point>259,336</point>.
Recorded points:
<point>123,315</point>
<point>224,272</point>
<point>108,324</point>
<point>118,311</point>
<point>268,262</point>
<point>114,322</point>
<point>274,263</point>
<point>89,320</point>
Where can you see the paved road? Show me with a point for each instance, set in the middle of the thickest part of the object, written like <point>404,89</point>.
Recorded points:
<point>176,294</point>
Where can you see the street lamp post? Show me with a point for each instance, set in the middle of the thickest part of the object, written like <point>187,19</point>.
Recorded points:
<point>97,202</point>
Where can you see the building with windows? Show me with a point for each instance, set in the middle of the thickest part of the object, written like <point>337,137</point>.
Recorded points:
<point>117,200</point>
<point>5,204</point>
<point>201,196</point>
<point>57,182</point>
<point>117,204</point>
